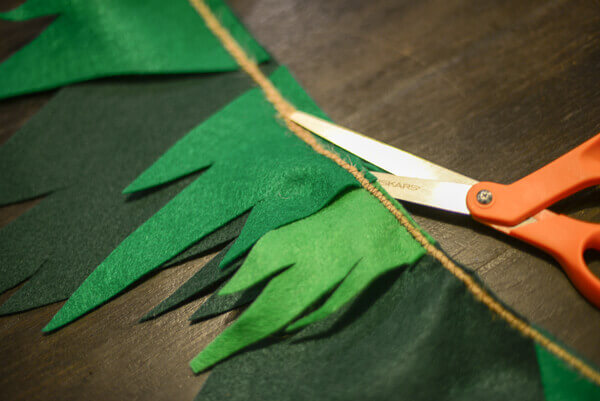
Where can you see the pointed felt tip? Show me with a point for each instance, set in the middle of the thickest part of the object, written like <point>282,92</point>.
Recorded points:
<point>231,287</point>
<point>302,323</point>
<point>201,315</point>
<point>148,316</point>
<point>229,258</point>
<point>227,291</point>
<point>142,182</point>
<point>13,15</point>
<point>234,285</point>
<point>157,311</point>
<point>59,320</point>
<point>133,187</point>
<point>50,327</point>
<point>25,11</point>
<point>296,326</point>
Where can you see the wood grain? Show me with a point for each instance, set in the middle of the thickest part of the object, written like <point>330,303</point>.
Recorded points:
<point>492,89</point>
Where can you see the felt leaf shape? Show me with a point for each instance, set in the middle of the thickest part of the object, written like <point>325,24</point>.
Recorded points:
<point>87,144</point>
<point>98,38</point>
<point>342,248</point>
<point>252,163</point>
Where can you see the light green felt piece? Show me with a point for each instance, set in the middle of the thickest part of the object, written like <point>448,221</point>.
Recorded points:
<point>99,38</point>
<point>351,242</point>
<point>560,382</point>
<point>253,163</point>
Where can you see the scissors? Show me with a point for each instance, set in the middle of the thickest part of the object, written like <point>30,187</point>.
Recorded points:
<point>517,209</point>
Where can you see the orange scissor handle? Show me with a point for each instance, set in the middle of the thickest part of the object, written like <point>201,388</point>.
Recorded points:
<point>509,205</point>
<point>566,239</point>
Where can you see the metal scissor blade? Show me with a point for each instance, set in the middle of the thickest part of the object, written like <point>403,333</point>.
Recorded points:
<point>450,196</point>
<point>387,157</point>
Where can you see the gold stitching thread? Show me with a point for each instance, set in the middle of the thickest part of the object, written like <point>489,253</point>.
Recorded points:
<point>285,109</point>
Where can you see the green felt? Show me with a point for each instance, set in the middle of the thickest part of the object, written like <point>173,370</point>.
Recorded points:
<point>414,334</point>
<point>222,235</point>
<point>560,382</point>
<point>355,282</point>
<point>252,163</point>
<point>98,38</point>
<point>87,144</point>
<point>210,274</point>
<point>200,283</point>
<point>351,242</point>
<point>218,304</point>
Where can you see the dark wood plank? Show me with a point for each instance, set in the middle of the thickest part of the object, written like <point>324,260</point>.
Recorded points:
<point>491,89</point>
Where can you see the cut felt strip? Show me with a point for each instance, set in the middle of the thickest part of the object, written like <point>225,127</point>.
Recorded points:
<point>341,249</point>
<point>87,144</point>
<point>414,334</point>
<point>252,163</point>
<point>99,38</point>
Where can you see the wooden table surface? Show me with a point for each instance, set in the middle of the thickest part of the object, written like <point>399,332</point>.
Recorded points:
<point>492,89</point>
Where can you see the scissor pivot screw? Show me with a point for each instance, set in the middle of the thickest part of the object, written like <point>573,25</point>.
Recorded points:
<point>484,197</point>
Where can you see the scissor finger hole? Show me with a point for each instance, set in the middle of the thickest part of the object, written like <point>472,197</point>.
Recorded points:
<point>592,259</point>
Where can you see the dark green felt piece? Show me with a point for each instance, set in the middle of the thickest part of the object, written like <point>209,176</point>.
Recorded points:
<point>221,236</point>
<point>253,163</point>
<point>415,334</point>
<point>200,283</point>
<point>83,148</point>
<point>341,249</point>
<point>218,304</point>
<point>205,280</point>
<point>98,38</point>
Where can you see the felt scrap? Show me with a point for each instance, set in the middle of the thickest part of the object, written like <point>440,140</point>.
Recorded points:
<point>341,249</point>
<point>99,38</point>
<point>560,382</point>
<point>414,334</point>
<point>252,163</point>
<point>87,144</point>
